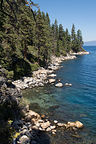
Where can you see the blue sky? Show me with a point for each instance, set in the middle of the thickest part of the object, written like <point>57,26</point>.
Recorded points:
<point>80,12</point>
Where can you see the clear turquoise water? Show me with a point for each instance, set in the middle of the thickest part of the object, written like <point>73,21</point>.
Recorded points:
<point>71,103</point>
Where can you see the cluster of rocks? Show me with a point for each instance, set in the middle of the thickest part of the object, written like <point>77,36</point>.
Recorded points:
<point>29,127</point>
<point>58,60</point>
<point>40,77</point>
<point>55,61</point>
<point>59,84</point>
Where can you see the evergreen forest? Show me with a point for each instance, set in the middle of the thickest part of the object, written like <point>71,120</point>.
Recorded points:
<point>28,39</point>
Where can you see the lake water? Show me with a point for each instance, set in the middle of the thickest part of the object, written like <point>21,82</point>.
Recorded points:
<point>70,103</point>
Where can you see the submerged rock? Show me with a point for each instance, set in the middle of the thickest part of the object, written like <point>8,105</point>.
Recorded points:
<point>53,132</point>
<point>68,84</point>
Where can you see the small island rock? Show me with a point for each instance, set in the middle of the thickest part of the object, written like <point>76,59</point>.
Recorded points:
<point>59,85</point>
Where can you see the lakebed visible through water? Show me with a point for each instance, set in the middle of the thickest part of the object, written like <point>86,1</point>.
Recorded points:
<point>70,103</point>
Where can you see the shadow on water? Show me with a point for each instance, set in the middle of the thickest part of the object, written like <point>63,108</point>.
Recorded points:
<point>41,137</point>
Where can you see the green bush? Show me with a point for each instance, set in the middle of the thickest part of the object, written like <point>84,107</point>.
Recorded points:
<point>64,53</point>
<point>10,74</point>
<point>34,67</point>
<point>58,54</point>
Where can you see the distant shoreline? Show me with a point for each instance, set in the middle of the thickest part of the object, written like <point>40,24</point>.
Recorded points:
<point>89,46</point>
<point>90,43</point>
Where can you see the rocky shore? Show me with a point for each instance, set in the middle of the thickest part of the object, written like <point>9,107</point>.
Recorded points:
<point>29,125</point>
<point>80,53</point>
<point>19,124</point>
<point>32,125</point>
<point>44,76</point>
<point>40,77</point>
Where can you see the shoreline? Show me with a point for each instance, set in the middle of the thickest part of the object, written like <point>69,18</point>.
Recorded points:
<point>34,124</point>
<point>31,122</point>
<point>80,53</point>
<point>41,76</point>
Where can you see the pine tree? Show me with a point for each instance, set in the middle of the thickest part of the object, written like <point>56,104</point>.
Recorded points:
<point>80,40</point>
<point>61,32</point>
<point>73,34</point>
<point>55,32</point>
<point>43,37</point>
<point>73,39</point>
<point>60,40</point>
<point>48,19</point>
<point>67,41</point>
<point>47,39</point>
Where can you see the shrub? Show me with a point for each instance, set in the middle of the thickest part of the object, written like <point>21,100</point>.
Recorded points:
<point>64,53</point>
<point>34,67</point>
<point>58,54</point>
<point>10,74</point>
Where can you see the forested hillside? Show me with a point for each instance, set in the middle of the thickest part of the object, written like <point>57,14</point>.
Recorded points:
<point>28,39</point>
